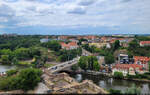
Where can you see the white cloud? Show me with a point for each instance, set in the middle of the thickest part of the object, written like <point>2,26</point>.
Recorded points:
<point>64,13</point>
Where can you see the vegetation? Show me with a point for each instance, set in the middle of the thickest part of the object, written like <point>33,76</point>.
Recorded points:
<point>26,79</point>
<point>65,55</point>
<point>74,67</point>
<point>113,91</point>
<point>89,63</point>
<point>11,72</point>
<point>139,76</point>
<point>134,49</point>
<point>118,75</point>
<point>53,45</point>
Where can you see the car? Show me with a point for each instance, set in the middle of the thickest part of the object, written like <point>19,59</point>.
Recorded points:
<point>55,67</point>
<point>70,63</point>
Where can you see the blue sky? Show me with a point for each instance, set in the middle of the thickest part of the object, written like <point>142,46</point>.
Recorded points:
<point>75,16</point>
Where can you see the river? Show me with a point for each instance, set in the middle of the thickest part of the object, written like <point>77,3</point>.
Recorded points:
<point>109,83</point>
<point>4,68</point>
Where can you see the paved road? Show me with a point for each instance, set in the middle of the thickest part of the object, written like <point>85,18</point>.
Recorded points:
<point>64,65</point>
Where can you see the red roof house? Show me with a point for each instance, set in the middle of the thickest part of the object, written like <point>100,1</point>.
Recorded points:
<point>144,43</point>
<point>71,45</point>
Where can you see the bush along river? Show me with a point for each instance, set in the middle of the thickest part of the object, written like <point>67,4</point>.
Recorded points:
<point>111,83</point>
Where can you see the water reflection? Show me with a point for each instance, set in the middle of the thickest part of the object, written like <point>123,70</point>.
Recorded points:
<point>109,83</point>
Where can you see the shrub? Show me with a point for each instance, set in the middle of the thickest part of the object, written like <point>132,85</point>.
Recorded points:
<point>118,75</point>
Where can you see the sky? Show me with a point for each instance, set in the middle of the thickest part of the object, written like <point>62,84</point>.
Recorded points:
<point>58,17</point>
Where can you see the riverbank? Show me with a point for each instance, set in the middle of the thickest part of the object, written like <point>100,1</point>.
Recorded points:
<point>95,73</point>
<point>112,83</point>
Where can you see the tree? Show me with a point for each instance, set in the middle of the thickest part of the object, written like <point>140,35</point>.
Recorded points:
<point>74,67</point>
<point>5,59</point>
<point>91,60</point>
<point>53,45</point>
<point>109,59</point>
<point>29,78</point>
<point>83,62</point>
<point>96,66</point>
<point>116,45</point>
<point>15,60</point>
<point>22,53</point>
<point>118,75</point>
<point>149,66</point>
<point>113,91</point>
<point>11,72</point>
<point>26,79</point>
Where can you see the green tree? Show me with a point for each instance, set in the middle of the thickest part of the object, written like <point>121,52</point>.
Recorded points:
<point>53,45</point>
<point>22,53</point>
<point>113,91</point>
<point>5,59</point>
<point>74,67</point>
<point>11,72</point>
<point>149,66</point>
<point>29,78</point>
<point>96,66</point>
<point>26,79</point>
<point>118,75</point>
<point>116,45</point>
<point>15,60</point>
<point>109,59</point>
<point>91,60</point>
<point>83,62</point>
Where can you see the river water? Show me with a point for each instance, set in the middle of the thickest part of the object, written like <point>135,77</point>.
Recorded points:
<point>4,68</point>
<point>109,83</point>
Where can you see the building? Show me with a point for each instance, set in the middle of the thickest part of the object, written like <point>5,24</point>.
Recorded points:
<point>44,40</point>
<point>141,60</point>
<point>130,69</point>
<point>69,46</point>
<point>123,58</point>
<point>100,45</point>
<point>144,43</point>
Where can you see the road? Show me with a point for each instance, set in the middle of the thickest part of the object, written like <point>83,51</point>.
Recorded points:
<point>64,65</point>
<point>67,64</point>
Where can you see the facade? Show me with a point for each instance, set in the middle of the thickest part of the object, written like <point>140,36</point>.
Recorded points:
<point>130,69</point>
<point>100,45</point>
<point>143,61</point>
<point>123,58</point>
<point>144,43</point>
<point>69,46</point>
<point>44,40</point>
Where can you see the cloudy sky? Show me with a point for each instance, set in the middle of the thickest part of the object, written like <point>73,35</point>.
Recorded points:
<point>74,16</point>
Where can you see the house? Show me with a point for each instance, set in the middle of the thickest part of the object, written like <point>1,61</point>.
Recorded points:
<point>144,43</point>
<point>100,45</point>
<point>69,46</point>
<point>141,60</point>
<point>44,40</point>
<point>123,58</point>
<point>130,69</point>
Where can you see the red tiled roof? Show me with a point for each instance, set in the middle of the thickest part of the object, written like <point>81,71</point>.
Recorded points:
<point>141,58</point>
<point>68,45</point>
<point>144,42</point>
<point>127,66</point>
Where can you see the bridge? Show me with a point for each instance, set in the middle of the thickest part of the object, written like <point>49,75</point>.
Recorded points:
<point>62,66</point>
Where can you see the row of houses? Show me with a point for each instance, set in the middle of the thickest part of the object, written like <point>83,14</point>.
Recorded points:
<point>140,65</point>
